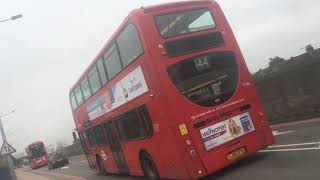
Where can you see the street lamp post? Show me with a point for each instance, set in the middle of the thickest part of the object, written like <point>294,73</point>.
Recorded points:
<point>12,18</point>
<point>8,157</point>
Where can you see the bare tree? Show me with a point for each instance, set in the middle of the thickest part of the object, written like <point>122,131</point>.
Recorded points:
<point>60,145</point>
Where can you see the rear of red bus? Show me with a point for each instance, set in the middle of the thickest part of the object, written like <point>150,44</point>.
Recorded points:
<point>37,155</point>
<point>210,101</point>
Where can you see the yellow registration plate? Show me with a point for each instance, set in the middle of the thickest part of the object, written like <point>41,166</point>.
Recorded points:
<point>236,153</point>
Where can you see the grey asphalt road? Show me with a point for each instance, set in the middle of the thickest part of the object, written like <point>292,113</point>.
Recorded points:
<point>295,156</point>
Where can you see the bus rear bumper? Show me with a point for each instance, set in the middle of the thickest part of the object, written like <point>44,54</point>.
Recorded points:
<point>217,159</point>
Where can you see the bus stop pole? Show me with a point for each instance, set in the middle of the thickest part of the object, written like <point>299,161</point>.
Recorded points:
<point>8,157</point>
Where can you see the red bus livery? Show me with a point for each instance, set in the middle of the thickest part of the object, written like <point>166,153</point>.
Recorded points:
<point>169,96</point>
<point>37,154</point>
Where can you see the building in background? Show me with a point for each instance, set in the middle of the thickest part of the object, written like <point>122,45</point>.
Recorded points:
<point>289,89</point>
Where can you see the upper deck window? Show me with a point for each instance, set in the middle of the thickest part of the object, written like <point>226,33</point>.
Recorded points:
<point>184,22</point>
<point>85,87</point>
<point>129,43</point>
<point>120,53</point>
<point>206,80</point>
<point>102,72</point>
<point>112,61</point>
<point>73,101</point>
<point>78,94</point>
<point>94,80</point>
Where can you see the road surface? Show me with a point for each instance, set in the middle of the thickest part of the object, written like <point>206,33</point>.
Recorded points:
<point>295,156</point>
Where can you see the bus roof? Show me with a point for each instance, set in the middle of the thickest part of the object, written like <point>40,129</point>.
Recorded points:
<point>136,12</point>
<point>35,143</point>
<point>171,5</point>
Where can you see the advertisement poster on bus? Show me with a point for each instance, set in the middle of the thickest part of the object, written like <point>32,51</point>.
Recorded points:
<point>227,130</point>
<point>128,88</point>
<point>115,96</point>
<point>97,108</point>
<point>134,84</point>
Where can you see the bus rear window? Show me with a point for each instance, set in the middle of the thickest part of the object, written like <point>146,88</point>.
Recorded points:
<point>184,22</point>
<point>206,80</point>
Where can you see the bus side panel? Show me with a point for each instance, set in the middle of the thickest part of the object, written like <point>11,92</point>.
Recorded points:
<point>171,148</point>
<point>170,157</point>
<point>132,149</point>
<point>105,154</point>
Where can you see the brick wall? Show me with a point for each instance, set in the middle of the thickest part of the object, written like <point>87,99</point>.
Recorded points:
<point>73,150</point>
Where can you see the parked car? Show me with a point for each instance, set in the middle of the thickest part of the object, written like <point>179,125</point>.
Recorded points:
<point>57,160</point>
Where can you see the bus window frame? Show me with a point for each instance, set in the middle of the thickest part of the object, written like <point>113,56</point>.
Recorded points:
<point>101,56</point>
<point>145,135</point>
<point>104,134</point>
<point>99,78</point>
<point>103,60</point>
<point>87,80</point>
<point>187,33</point>
<point>140,40</point>
<point>74,90</point>
<point>91,131</point>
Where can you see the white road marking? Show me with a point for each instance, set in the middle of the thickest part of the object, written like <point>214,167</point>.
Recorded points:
<point>284,150</point>
<point>276,133</point>
<point>298,144</point>
<point>65,167</point>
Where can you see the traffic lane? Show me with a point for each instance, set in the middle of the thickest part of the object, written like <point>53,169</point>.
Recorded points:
<point>78,169</point>
<point>263,166</point>
<point>297,133</point>
<point>288,165</point>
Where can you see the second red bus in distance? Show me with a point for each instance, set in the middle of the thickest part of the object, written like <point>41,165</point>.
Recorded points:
<point>37,154</point>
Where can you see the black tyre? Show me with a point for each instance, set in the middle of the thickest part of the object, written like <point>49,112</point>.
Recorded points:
<point>149,167</point>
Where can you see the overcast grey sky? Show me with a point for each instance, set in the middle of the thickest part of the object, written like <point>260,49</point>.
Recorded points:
<point>45,52</point>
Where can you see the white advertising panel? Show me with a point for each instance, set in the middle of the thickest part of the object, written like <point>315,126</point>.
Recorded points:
<point>128,88</point>
<point>97,108</point>
<point>227,130</point>
<point>134,84</point>
<point>115,96</point>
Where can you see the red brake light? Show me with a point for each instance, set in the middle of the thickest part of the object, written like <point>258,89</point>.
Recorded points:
<point>188,142</point>
<point>261,114</point>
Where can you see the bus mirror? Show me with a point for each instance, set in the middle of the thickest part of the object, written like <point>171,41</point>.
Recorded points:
<point>74,134</point>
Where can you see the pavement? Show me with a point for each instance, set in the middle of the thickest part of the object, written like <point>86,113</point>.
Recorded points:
<point>24,175</point>
<point>295,156</point>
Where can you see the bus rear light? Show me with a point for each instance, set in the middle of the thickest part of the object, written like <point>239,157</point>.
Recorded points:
<point>193,153</point>
<point>261,114</point>
<point>188,142</point>
<point>200,172</point>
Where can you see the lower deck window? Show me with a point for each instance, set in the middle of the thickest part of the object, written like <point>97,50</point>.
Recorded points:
<point>129,126</point>
<point>91,137</point>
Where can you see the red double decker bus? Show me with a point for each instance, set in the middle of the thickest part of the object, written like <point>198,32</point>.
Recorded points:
<point>169,96</point>
<point>37,154</point>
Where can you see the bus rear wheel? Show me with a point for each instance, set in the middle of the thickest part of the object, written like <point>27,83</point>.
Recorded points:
<point>149,167</point>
